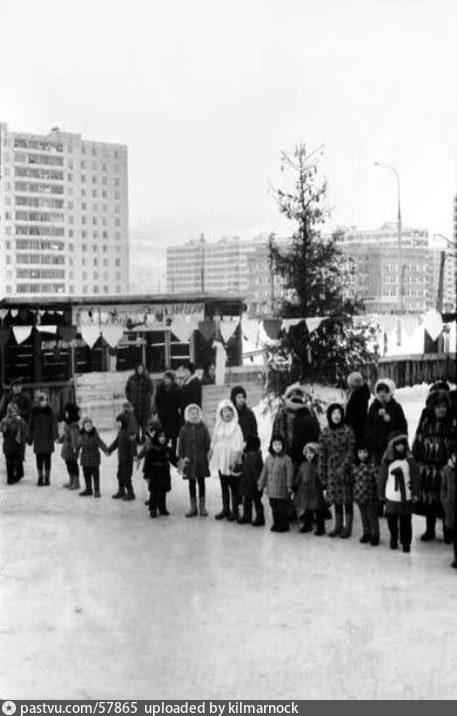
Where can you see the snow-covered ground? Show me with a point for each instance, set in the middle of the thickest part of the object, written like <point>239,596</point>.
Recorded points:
<point>99,601</point>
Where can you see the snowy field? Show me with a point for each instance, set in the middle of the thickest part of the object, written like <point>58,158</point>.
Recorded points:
<point>98,601</point>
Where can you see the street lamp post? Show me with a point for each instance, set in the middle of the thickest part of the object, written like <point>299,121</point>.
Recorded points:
<point>400,273</point>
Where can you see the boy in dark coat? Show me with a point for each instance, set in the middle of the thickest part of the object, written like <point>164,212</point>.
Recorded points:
<point>246,418</point>
<point>42,435</point>
<point>252,468</point>
<point>124,443</point>
<point>91,443</point>
<point>167,407</point>
<point>357,405</point>
<point>156,471</point>
<point>365,479</point>
<point>22,400</point>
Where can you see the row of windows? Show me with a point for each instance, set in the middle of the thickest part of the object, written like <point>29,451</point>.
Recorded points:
<point>39,259</point>
<point>37,245</point>
<point>39,231</point>
<point>37,216</point>
<point>39,173</point>
<point>26,143</point>
<point>40,273</point>
<point>50,160</point>
<point>38,288</point>
<point>33,188</point>
<point>39,202</point>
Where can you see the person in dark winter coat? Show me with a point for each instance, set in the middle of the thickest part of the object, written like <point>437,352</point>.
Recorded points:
<point>71,444</point>
<point>156,470</point>
<point>167,407</point>
<point>125,445</point>
<point>42,435</point>
<point>14,430</point>
<point>435,437</point>
<point>246,418</point>
<point>399,487</point>
<point>91,444</point>
<point>277,476</point>
<point>309,495</point>
<point>194,445</point>
<point>296,423</point>
<point>336,455</point>
<point>357,405</point>
<point>20,398</point>
<point>385,416</point>
<point>191,387</point>
<point>365,481</point>
<point>427,410</point>
<point>138,391</point>
<point>448,499</point>
<point>252,468</point>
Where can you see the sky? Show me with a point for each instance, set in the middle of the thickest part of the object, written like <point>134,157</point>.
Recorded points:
<point>207,93</point>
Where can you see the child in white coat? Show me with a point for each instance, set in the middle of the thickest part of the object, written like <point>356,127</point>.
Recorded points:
<point>226,457</point>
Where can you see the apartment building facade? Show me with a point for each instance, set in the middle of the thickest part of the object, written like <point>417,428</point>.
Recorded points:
<point>63,215</point>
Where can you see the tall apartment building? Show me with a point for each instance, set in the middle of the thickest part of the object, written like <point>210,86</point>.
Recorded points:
<point>200,266</point>
<point>63,215</point>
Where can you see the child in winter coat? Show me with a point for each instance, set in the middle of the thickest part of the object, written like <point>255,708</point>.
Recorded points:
<point>156,470</point>
<point>14,431</point>
<point>365,479</point>
<point>42,435</point>
<point>125,444</point>
<point>193,448</point>
<point>70,440</point>
<point>277,476</point>
<point>309,496</point>
<point>399,486</point>
<point>336,455</point>
<point>252,468</point>
<point>91,443</point>
<point>226,455</point>
<point>448,495</point>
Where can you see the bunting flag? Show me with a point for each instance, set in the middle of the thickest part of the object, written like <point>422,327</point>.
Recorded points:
<point>228,329</point>
<point>46,329</point>
<point>67,333</point>
<point>21,333</point>
<point>313,324</point>
<point>5,334</point>
<point>14,312</point>
<point>433,324</point>
<point>90,334</point>
<point>207,330</point>
<point>3,313</point>
<point>221,360</point>
<point>288,323</point>
<point>112,334</point>
<point>272,326</point>
<point>183,330</point>
<point>250,328</point>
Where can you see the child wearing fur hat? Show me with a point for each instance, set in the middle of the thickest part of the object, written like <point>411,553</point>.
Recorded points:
<point>193,448</point>
<point>309,495</point>
<point>246,418</point>
<point>448,499</point>
<point>277,476</point>
<point>14,430</point>
<point>226,455</point>
<point>70,439</point>
<point>91,444</point>
<point>125,444</point>
<point>43,433</point>
<point>252,468</point>
<point>365,479</point>
<point>156,470</point>
<point>336,455</point>
<point>385,416</point>
<point>399,487</point>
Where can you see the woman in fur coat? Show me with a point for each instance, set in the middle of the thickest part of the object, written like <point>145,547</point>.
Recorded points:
<point>336,455</point>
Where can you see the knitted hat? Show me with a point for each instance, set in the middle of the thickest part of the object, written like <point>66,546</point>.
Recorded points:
<point>237,390</point>
<point>311,446</point>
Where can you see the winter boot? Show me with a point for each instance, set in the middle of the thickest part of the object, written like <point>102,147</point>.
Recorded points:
<point>40,482</point>
<point>365,539</point>
<point>120,492</point>
<point>338,525</point>
<point>202,507</point>
<point>225,508</point>
<point>234,515</point>
<point>47,477</point>
<point>429,533</point>
<point>320,524</point>
<point>447,535</point>
<point>97,486</point>
<point>88,489</point>
<point>163,504</point>
<point>246,517</point>
<point>69,485</point>
<point>307,525</point>
<point>193,512</point>
<point>260,517</point>
<point>130,495</point>
<point>347,529</point>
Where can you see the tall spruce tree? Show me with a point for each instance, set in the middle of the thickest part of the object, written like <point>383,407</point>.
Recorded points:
<point>318,281</point>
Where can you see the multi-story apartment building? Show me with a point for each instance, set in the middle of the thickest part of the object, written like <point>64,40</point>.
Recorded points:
<point>63,215</point>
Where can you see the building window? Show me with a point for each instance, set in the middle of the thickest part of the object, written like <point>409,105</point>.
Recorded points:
<point>84,234</point>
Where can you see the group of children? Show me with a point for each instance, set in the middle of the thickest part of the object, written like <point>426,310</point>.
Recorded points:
<point>337,470</point>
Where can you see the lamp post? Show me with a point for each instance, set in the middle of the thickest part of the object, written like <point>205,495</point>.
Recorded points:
<point>400,273</point>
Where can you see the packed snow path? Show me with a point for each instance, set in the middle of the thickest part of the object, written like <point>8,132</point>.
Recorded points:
<point>98,601</point>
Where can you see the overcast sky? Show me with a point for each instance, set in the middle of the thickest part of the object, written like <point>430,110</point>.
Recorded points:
<point>206,93</point>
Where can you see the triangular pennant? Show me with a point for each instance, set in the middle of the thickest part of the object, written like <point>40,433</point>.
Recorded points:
<point>90,335</point>
<point>313,324</point>
<point>288,323</point>
<point>5,334</point>
<point>3,313</point>
<point>228,329</point>
<point>112,334</point>
<point>67,333</point>
<point>183,330</point>
<point>207,329</point>
<point>272,326</point>
<point>21,333</point>
<point>433,324</point>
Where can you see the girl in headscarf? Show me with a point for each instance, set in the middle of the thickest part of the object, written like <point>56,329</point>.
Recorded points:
<point>226,456</point>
